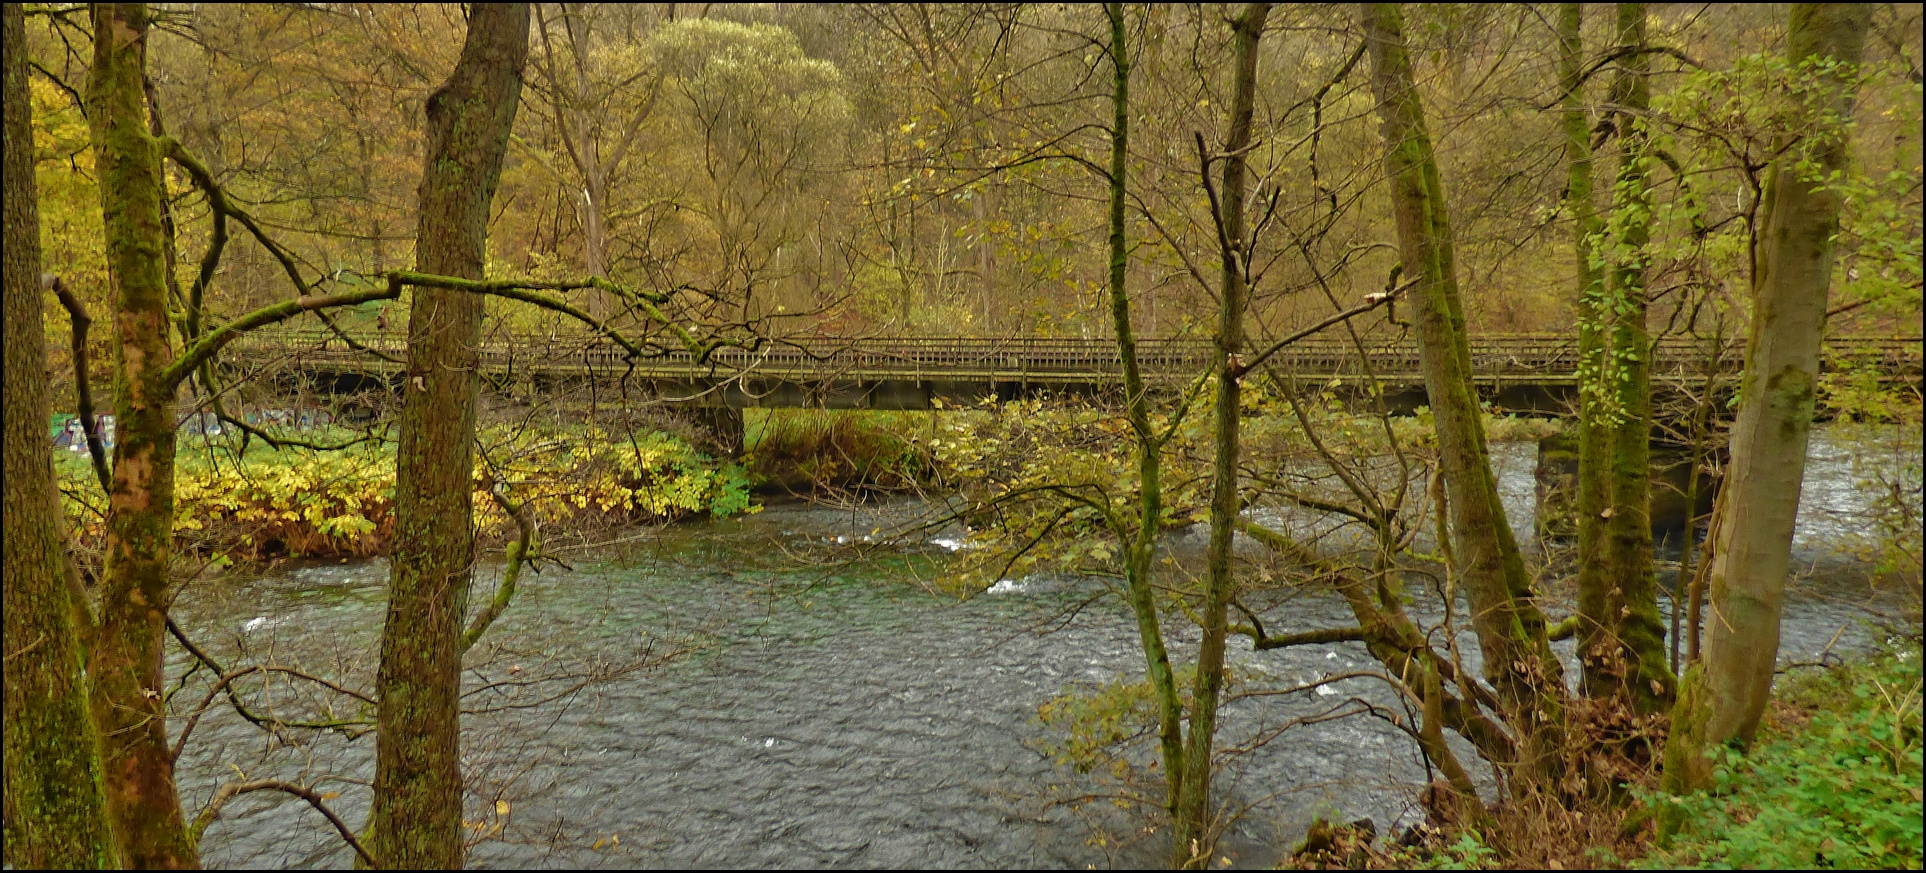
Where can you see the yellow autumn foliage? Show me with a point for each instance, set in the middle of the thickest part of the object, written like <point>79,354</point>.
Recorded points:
<point>306,503</point>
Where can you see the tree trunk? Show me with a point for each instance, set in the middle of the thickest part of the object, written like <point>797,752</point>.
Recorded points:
<point>1511,629</point>
<point>418,790</point>
<point>1140,553</point>
<point>594,235</point>
<point>1644,676</point>
<point>1194,838</point>
<point>576,118</point>
<point>55,812</point>
<point>1594,481</point>
<point>588,156</point>
<point>1621,640</point>
<point>1724,697</point>
<point>985,246</point>
<point>125,659</point>
<point>595,241</point>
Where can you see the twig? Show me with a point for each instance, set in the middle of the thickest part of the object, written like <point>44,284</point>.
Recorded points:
<point>37,643</point>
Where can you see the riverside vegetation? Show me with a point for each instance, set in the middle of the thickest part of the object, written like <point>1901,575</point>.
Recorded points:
<point>262,503</point>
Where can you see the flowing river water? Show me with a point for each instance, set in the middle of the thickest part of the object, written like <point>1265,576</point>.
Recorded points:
<point>702,697</point>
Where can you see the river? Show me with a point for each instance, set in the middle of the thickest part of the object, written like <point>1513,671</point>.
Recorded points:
<point>738,706</point>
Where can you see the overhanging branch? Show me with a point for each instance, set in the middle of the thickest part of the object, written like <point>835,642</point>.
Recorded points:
<point>204,349</point>
<point>314,798</point>
<point>1372,302</point>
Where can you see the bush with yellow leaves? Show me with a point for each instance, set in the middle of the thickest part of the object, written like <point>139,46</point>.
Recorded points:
<point>296,502</point>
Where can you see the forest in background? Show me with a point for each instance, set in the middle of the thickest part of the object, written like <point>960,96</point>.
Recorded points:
<point>678,178</point>
<point>925,170</point>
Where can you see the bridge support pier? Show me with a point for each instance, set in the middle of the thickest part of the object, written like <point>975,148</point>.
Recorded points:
<point>1671,470</point>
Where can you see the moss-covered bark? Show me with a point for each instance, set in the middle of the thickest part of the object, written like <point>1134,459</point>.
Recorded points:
<point>1644,677</point>
<point>1193,849</point>
<point>1140,552</point>
<point>1593,483</point>
<point>416,818</point>
<point>1510,628</point>
<point>1726,695</point>
<point>125,658</point>
<point>1621,640</point>
<point>55,810</point>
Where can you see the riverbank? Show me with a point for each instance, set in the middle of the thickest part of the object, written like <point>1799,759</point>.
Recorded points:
<point>590,483</point>
<point>1833,781</point>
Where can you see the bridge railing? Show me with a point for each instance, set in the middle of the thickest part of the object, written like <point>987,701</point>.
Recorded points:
<point>1037,358</point>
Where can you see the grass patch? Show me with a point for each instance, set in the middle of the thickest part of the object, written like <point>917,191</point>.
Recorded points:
<point>810,450</point>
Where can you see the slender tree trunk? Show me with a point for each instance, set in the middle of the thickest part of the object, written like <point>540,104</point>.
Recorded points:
<point>1688,547</point>
<point>1594,481</point>
<point>418,790</point>
<point>589,157</point>
<point>125,658</point>
<point>575,116</point>
<point>1723,698</point>
<point>1140,553</point>
<point>1621,640</point>
<point>1194,838</point>
<point>1689,577</point>
<point>1644,677</point>
<point>1511,630</point>
<point>56,814</point>
<point>985,250</point>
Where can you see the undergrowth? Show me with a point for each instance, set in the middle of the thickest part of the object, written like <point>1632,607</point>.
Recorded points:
<point>1833,781</point>
<point>265,503</point>
<point>812,450</point>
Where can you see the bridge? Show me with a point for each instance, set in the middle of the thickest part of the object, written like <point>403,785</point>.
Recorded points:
<point>1520,372</point>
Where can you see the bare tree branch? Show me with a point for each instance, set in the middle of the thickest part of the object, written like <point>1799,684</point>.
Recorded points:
<point>231,790</point>
<point>83,383</point>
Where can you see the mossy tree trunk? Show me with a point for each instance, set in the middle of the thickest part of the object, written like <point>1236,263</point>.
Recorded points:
<point>1141,550</point>
<point>1193,824</point>
<point>1724,696</point>
<point>1620,638</point>
<point>55,812</point>
<point>125,657</point>
<point>1511,630</point>
<point>416,818</point>
<point>1593,483</point>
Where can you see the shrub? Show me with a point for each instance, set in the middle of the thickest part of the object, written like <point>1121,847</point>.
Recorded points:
<point>816,449</point>
<point>306,503</point>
